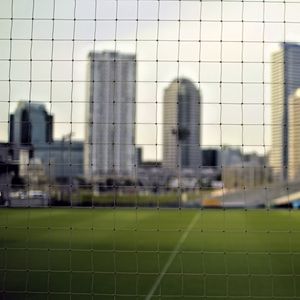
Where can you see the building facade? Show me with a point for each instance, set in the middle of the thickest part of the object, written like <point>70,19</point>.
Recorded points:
<point>211,158</point>
<point>110,121</point>
<point>294,136</point>
<point>30,125</point>
<point>246,175</point>
<point>63,160</point>
<point>31,138</point>
<point>230,156</point>
<point>8,171</point>
<point>181,126</point>
<point>285,79</point>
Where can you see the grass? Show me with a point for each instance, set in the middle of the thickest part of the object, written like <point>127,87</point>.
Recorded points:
<point>119,253</point>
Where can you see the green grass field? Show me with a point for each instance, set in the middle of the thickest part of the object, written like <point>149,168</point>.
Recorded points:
<point>125,254</point>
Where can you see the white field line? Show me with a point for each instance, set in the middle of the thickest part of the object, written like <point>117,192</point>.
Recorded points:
<point>172,256</point>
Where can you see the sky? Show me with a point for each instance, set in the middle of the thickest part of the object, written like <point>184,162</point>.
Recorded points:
<point>223,47</point>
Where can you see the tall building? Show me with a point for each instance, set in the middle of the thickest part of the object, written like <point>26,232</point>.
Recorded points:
<point>294,136</point>
<point>110,129</point>
<point>30,125</point>
<point>31,134</point>
<point>181,126</point>
<point>285,80</point>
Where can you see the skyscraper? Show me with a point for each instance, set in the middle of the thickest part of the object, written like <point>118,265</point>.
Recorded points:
<point>181,126</point>
<point>285,80</point>
<point>110,129</point>
<point>31,128</point>
<point>294,136</point>
<point>30,125</point>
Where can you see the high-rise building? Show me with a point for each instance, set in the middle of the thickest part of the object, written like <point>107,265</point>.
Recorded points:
<point>31,134</point>
<point>30,125</point>
<point>110,122</point>
<point>285,79</point>
<point>294,136</point>
<point>181,126</point>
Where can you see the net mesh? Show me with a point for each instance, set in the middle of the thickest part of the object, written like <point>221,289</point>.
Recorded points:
<point>145,148</point>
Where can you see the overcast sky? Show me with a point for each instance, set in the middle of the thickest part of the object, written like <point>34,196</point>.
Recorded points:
<point>208,46</point>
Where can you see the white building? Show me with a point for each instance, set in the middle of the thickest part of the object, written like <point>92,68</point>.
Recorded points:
<point>110,128</point>
<point>294,136</point>
<point>285,79</point>
<point>181,126</point>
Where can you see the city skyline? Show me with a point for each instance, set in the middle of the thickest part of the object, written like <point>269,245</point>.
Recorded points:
<point>175,52</point>
<point>150,149</point>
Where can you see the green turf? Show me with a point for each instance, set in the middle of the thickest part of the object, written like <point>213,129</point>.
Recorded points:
<point>118,254</point>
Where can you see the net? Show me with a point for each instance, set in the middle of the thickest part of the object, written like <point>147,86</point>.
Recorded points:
<point>149,149</point>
